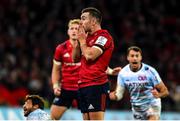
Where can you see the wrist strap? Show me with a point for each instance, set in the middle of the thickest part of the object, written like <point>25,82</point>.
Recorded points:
<point>55,85</point>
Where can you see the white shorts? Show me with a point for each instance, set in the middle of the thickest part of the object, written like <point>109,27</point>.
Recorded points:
<point>143,112</point>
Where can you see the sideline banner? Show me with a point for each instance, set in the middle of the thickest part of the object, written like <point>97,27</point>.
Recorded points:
<point>8,113</point>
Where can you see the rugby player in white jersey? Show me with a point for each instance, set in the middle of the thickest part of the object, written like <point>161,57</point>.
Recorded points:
<point>33,108</point>
<point>144,85</point>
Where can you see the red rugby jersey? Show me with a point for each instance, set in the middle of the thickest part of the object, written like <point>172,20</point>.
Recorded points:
<point>70,70</point>
<point>93,72</point>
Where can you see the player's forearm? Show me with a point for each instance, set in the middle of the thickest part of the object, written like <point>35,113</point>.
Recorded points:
<point>119,92</point>
<point>76,53</point>
<point>163,92</point>
<point>90,53</point>
<point>56,75</point>
<point>87,52</point>
<point>56,80</point>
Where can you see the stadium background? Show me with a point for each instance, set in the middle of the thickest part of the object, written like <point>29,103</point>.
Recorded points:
<point>31,29</point>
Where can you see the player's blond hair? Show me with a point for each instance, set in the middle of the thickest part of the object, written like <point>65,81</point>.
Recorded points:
<point>73,21</point>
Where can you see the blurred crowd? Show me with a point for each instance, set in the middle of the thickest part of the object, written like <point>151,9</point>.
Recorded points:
<point>31,29</point>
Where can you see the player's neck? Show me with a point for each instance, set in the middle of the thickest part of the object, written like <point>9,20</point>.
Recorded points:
<point>136,69</point>
<point>94,29</point>
<point>72,41</point>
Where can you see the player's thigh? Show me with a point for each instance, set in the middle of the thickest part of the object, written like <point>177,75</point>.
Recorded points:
<point>93,116</point>
<point>96,115</point>
<point>57,111</point>
<point>154,113</point>
<point>86,116</point>
<point>153,117</point>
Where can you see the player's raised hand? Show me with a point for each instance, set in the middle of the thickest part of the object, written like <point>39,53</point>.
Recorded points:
<point>82,35</point>
<point>116,70</point>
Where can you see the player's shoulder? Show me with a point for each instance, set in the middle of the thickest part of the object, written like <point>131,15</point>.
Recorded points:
<point>40,114</point>
<point>104,33</point>
<point>147,67</point>
<point>61,45</point>
<point>125,69</point>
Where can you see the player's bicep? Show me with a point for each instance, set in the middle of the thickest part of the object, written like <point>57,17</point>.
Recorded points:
<point>99,46</point>
<point>96,52</point>
<point>56,71</point>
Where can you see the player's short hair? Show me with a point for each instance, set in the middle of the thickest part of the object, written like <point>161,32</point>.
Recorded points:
<point>94,13</point>
<point>73,21</point>
<point>36,100</point>
<point>135,48</point>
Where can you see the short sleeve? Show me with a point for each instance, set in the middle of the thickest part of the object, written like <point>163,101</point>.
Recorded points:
<point>58,53</point>
<point>120,80</point>
<point>156,79</point>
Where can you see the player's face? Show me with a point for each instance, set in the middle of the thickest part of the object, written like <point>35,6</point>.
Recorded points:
<point>134,59</point>
<point>86,21</point>
<point>28,107</point>
<point>72,31</point>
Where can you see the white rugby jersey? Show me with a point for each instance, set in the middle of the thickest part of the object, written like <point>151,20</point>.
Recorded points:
<point>38,114</point>
<point>140,84</point>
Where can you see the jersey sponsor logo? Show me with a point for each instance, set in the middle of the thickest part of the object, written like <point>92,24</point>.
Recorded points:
<point>73,64</point>
<point>142,78</point>
<point>56,99</point>
<point>66,55</point>
<point>91,106</point>
<point>137,85</point>
<point>101,41</point>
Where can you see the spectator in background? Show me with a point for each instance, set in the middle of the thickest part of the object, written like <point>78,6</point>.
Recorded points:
<point>175,96</point>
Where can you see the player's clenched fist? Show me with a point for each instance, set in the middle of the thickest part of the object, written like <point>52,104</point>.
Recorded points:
<point>57,91</point>
<point>155,93</point>
<point>112,95</point>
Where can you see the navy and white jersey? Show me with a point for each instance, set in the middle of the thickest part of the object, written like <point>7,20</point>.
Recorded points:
<point>38,115</point>
<point>140,84</point>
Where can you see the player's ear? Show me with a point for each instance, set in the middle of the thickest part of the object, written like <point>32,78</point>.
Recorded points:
<point>128,57</point>
<point>36,106</point>
<point>68,32</point>
<point>93,21</point>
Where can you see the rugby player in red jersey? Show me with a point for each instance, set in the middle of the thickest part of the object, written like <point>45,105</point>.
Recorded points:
<point>94,50</point>
<point>65,73</point>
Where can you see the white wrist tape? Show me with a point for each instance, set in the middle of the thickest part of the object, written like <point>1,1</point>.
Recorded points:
<point>55,85</point>
<point>119,92</point>
<point>109,71</point>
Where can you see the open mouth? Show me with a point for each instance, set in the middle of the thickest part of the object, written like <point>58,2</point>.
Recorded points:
<point>25,110</point>
<point>134,62</point>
